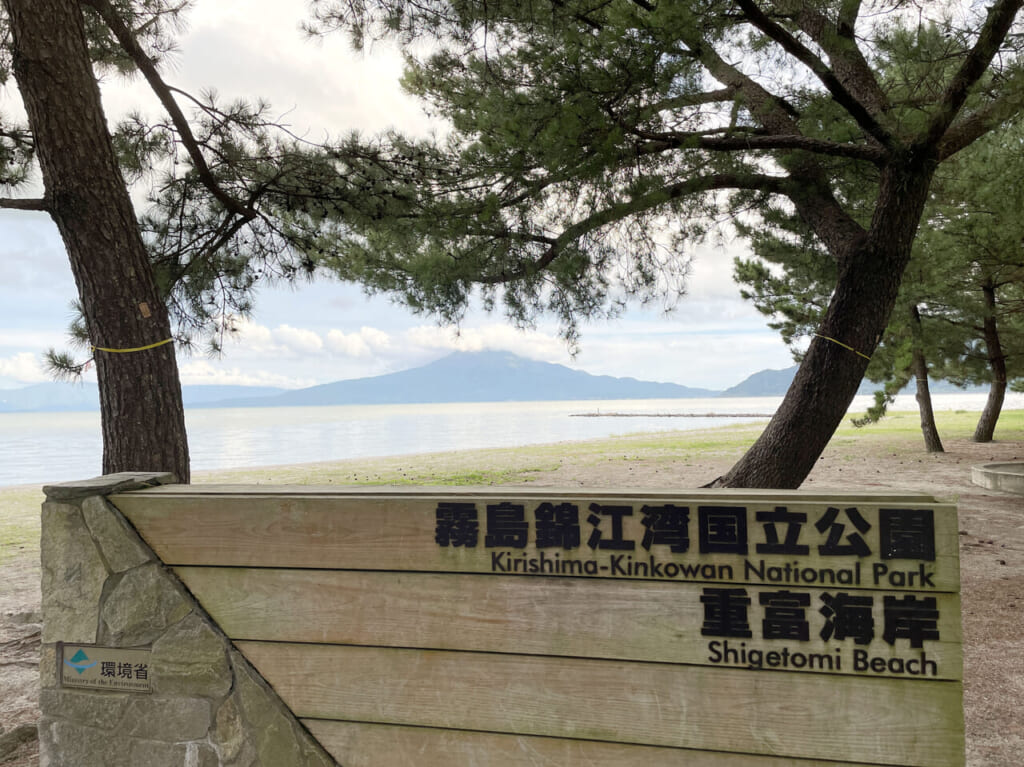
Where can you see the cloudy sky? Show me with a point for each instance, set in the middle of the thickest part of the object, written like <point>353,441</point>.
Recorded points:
<point>328,331</point>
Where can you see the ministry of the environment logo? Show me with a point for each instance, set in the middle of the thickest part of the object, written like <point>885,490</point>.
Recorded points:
<point>115,669</point>
<point>80,662</point>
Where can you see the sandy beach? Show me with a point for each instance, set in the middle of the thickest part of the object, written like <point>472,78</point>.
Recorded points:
<point>991,539</point>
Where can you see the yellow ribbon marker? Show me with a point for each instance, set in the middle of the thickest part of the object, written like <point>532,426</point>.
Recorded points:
<point>845,346</point>
<point>136,349</point>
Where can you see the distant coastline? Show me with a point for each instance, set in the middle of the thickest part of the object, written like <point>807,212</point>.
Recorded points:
<point>463,377</point>
<point>670,415</point>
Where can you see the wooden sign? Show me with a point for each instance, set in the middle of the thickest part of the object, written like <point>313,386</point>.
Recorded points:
<point>520,627</point>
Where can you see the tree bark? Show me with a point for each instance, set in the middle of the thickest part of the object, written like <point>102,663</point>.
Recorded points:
<point>986,427</point>
<point>143,418</point>
<point>817,401</point>
<point>919,365</point>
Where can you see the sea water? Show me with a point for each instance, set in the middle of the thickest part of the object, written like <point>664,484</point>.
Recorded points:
<point>38,448</point>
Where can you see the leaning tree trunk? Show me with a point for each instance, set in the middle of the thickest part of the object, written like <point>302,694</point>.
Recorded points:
<point>143,418</point>
<point>986,427</point>
<point>826,382</point>
<point>932,442</point>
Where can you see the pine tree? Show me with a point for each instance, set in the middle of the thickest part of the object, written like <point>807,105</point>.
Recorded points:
<point>582,133</point>
<point>184,269</point>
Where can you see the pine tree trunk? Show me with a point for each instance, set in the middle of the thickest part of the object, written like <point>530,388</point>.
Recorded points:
<point>932,442</point>
<point>986,427</point>
<point>143,418</point>
<point>826,382</point>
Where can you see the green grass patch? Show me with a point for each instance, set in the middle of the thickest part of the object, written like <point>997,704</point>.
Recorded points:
<point>952,424</point>
<point>477,467</point>
<point>19,522</point>
<point>900,433</point>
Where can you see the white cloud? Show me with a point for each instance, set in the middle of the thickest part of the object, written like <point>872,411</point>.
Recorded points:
<point>317,85</point>
<point>23,367</point>
<point>290,341</point>
<point>284,340</point>
<point>375,338</point>
<point>347,344</point>
<point>712,272</point>
<point>202,372</point>
<point>297,340</point>
<point>534,344</point>
<point>251,335</point>
<point>365,343</point>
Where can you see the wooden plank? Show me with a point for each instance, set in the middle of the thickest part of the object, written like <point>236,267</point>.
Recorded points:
<point>593,618</point>
<point>398,533</point>
<point>813,716</point>
<point>491,491</point>
<point>356,744</point>
<point>593,648</point>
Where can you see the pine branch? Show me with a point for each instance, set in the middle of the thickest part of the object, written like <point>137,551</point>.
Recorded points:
<point>822,71</point>
<point>148,68</point>
<point>25,203</point>
<point>658,142</point>
<point>635,205</point>
<point>1001,16</point>
<point>838,41</point>
<point>772,111</point>
<point>963,133</point>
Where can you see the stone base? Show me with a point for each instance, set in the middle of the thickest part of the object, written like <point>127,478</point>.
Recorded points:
<point>102,585</point>
<point>1005,477</point>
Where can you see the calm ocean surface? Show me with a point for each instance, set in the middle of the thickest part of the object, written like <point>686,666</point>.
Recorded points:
<point>38,448</point>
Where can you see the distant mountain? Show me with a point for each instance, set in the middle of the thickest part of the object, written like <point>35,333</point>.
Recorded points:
<point>475,377</point>
<point>50,396</point>
<point>767,383</point>
<point>197,396</point>
<point>459,377</point>
<point>774,383</point>
<point>64,397</point>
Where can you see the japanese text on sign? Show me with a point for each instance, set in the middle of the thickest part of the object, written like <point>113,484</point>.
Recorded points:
<point>836,552</point>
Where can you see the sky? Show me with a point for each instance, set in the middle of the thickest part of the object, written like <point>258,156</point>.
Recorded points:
<point>328,331</point>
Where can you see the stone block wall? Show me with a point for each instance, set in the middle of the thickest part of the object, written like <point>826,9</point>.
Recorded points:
<point>103,585</point>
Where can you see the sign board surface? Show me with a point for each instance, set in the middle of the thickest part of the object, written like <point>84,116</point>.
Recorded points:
<point>593,627</point>
<point>112,669</point>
